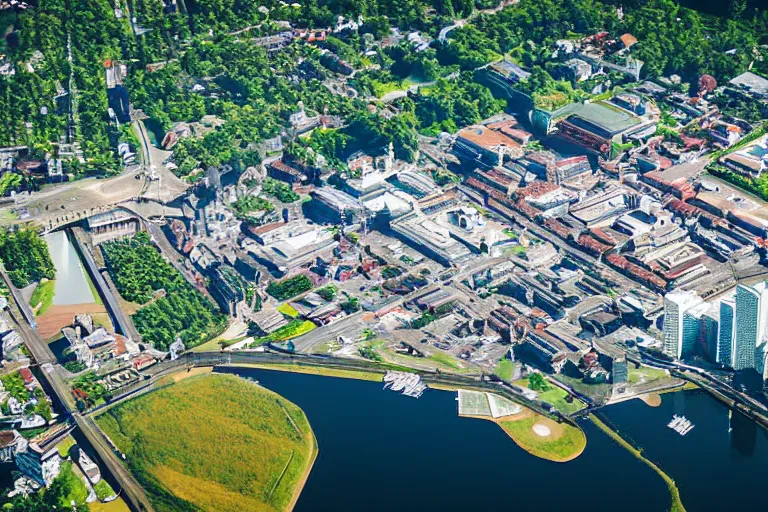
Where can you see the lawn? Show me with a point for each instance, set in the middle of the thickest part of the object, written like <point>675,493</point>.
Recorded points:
<point>555,396</point>
<point>42,296</point>
<point>214,442</point>
<point>505,370</point>
<point>117,505</point>
<point>288,310</point>
<point>445,360</point>
<point>564,443</point>
<point>64,446</point>
<point>103,490</point>
<point>293,330</point>
<point>645,374</point>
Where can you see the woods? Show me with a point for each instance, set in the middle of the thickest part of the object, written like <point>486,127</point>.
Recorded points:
<point>141,275</point>
<point>25,256</point>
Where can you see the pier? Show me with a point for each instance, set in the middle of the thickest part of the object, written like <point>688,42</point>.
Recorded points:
<point>680,424</point>
<point>409,384</point>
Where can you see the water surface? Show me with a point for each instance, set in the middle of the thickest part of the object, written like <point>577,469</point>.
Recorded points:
<point>380,451</point>
<point>71,285</point>
<point>722,464</point>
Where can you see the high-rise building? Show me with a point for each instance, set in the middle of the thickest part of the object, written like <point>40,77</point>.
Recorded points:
<point>678,332</point>
<point>694,320</point>
<point>709,329</point>
<point>725,333</point>
<point>620,372</point>
<point>751,301</point>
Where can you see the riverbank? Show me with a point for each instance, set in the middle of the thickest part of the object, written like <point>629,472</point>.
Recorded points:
<point>254,449</point>
<point>313,370</point>
<point>677,504</point>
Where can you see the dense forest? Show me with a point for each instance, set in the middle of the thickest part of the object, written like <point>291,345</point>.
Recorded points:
<point>172,306</point>
<point>205,63</point>
<point>25,256</point>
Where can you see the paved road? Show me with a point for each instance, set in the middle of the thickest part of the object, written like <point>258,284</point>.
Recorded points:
<point>132,493</point>
<point>53,378</point>
<point>123,323</point>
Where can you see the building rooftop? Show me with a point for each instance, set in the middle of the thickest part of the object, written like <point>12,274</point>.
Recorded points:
<point>751,82</point>
<point>486,138</point>
<point>607,117</point>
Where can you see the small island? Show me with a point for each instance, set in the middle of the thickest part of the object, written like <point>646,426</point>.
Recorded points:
<point>214,442</point>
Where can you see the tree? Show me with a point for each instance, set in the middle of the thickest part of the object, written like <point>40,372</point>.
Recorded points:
<point>537,382</point>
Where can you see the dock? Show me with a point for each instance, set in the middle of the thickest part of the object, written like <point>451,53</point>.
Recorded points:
<point>680,424</point>
<point>409,384</point>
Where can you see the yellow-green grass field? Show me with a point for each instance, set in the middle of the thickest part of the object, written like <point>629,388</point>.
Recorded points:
<point>288,310</point>
<point>42,297</point>
<point>563,443</point>
<point>555,396</point>
<point>117,505</point>
<point>215,443</point>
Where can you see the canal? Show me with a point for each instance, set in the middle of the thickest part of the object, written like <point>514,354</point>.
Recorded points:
<point>380,451</point>
<point>71,285</point>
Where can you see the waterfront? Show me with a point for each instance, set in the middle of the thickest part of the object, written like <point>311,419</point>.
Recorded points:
<point>725,449</point>
<point>71,285</point>
<point>379,450</point>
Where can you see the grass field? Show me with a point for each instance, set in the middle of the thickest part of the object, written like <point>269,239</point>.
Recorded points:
<point>42,296</point>
<point>564,443</point>
<point>293,330</point>
<point>505,370</point>
<point>117,505</point>
<point>64,446</point>
<point>214,442</point>
<point>555,396</point>
<point>445,360</point>
<point>288,310</point>
<point>644,374</point>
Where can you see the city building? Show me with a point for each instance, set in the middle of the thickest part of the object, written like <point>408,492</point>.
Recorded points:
<point>725,332</point>
<point>597,126</point>
<point>226,287</point>
<point>751,304</point>
<point>677,339</point>
<point>112,225</point>
<point>485,146</point>
<point>620,371</point>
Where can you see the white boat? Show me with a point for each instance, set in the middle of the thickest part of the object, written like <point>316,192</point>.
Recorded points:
<point>90,469</point>
<point>680,424</point>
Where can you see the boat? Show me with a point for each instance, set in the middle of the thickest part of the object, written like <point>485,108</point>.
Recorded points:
<point>90,469</point>
<point>680,424</point>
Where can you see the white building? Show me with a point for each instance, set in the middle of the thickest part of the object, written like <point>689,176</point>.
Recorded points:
<point>750,322</point>
<point>675,305</point>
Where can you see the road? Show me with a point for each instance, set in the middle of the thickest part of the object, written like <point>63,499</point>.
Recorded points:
<point>54,381</point>
<point>73,201</point>
<point>443,35</point>
<point>123,323</point>
<point>132,493</point>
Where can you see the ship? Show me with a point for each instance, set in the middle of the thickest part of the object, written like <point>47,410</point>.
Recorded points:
<point>90,469</point>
